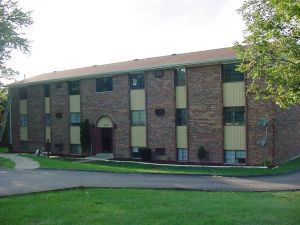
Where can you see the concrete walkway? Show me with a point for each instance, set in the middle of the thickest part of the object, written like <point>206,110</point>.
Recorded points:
<point>23,163</point>
<point>26,181</point>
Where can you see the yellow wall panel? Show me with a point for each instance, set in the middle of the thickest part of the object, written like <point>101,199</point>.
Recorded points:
<point>48,134</point>
<point>181,136</point>
<point>23,134</point>
<point>23,106</point>
<point>74,103</point>
<point>234,137</point>
<point>47,105</point>
<point>75,135</point>
<point>137,99</point>
<point>138,136</point>
<point>234,94</point>
<point>181,97</point>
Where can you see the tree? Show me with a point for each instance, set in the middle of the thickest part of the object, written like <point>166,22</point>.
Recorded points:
<point>12,22</point>
<point>85,138</point>
<point>270,52</point>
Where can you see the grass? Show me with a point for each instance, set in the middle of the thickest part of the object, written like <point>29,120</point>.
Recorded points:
<point>142,206</point>
<point>6,163</point>
<point>3,149</point>
<point>112,166</point>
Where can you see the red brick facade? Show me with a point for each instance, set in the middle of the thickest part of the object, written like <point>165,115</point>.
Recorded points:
<point>204,109</point>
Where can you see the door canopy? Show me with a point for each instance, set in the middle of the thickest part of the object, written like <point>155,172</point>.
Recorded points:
<point>105,122</point>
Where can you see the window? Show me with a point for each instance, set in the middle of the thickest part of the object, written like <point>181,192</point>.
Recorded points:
<point>180,77</point>
<point>230,74</point>
<point>46,90</point>
<point>75,119</point>
<point>234,115</point>
<point>182,154</point>
<point>137,81</point>
<point>138,118</point>
<point>75,149</point>
<point>135,152</point>
<point>74,87</point>
<point>23,93</point>
<point>180,117</point>
<point>24,146</point>
<point>59,146</point>
<point>158,73</point>
<point>160,112</point>
<point>235,156</point>
<point>23,120</point>
<point>48,119</point>
<point>104,84</point>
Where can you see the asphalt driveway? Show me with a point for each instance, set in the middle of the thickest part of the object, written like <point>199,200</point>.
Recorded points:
<point>14,181</point>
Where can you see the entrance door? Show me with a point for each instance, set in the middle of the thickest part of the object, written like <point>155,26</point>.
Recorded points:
<point>107,139</point>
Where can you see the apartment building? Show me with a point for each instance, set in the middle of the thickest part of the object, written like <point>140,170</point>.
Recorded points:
<point>172,104</point>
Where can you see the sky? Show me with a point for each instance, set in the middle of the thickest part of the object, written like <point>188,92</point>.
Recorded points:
<point>70,34</point>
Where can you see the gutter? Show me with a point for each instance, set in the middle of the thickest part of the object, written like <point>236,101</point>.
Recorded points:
<point>122,72</point>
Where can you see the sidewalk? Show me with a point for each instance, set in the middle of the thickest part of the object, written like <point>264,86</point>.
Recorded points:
<point>23,163</point>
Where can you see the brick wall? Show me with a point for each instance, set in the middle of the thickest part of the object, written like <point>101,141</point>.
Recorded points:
<point>160,93</point>
<point>36,116</point>
<point>205,112</point>
<point>114,105</point>
<point>287,141</point>
<point>15,118</point>
<point>60,128</point>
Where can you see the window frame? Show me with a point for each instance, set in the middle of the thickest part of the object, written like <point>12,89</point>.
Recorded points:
<point>106,80</point>
<point>234,76</point>
<point>236,157</point>
<point>233,116</point>
<point>78,149</point>
<point>181,117</point>
<point>23,120</point>
<point>138,122</point>
<point>182,154</point>
<point>77,120</point>
<point>140,77</point>
<point>48,119</point>
<point>74,87</point>
<point>180,77</point>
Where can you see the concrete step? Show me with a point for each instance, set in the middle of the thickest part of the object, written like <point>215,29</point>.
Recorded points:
<point>104,156</point>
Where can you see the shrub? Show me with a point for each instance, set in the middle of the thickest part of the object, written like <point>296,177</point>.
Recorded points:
<point>145,154</point>
<point>202,153</point>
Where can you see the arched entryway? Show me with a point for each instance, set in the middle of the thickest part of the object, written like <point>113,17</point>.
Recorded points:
<point>102,140</point>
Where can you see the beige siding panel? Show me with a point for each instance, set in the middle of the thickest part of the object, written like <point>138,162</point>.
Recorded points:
<point>104,122</point>
<point>74,103</point>
<point>234,138</point>
<point>23,106</point>
<point>181,136</point>
<point>48,134</point>
<point>137,99</point>
<point>138,136</point>
<point>75,135</point>
<point>234,94</point>
<point>47,105</point>
<point>23,134</point>
<point>181,97</point>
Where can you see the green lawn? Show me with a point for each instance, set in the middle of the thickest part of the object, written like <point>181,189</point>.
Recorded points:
<point>6,163</point>
<point>142,206</point>
<point>3,150</point>
<point>141,168</point>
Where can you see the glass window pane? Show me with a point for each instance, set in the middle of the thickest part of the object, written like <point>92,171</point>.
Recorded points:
<point>138,117</point>
<point>181,117</point>
<point>75,119</point>
<point>229,115</point>
<point>182,154</point>
<point>180,77</point>
<point>73,87</point>
<point>240,115</point>
<point>230,157</point>
<point>137,81</point>
<point>48,119</point>
<point>230,74</point>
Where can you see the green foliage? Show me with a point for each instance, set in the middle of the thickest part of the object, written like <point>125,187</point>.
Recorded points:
<point>6,163</point>
<point>202,153</point>
<point>85,138</point>
<point>3,105</point>
<point>270,52</point>
<point>12,23</point>
<point>145,154</point>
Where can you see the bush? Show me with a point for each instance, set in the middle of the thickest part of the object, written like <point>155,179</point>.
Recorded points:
<point>145,154</point>
<point>202,153</point>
